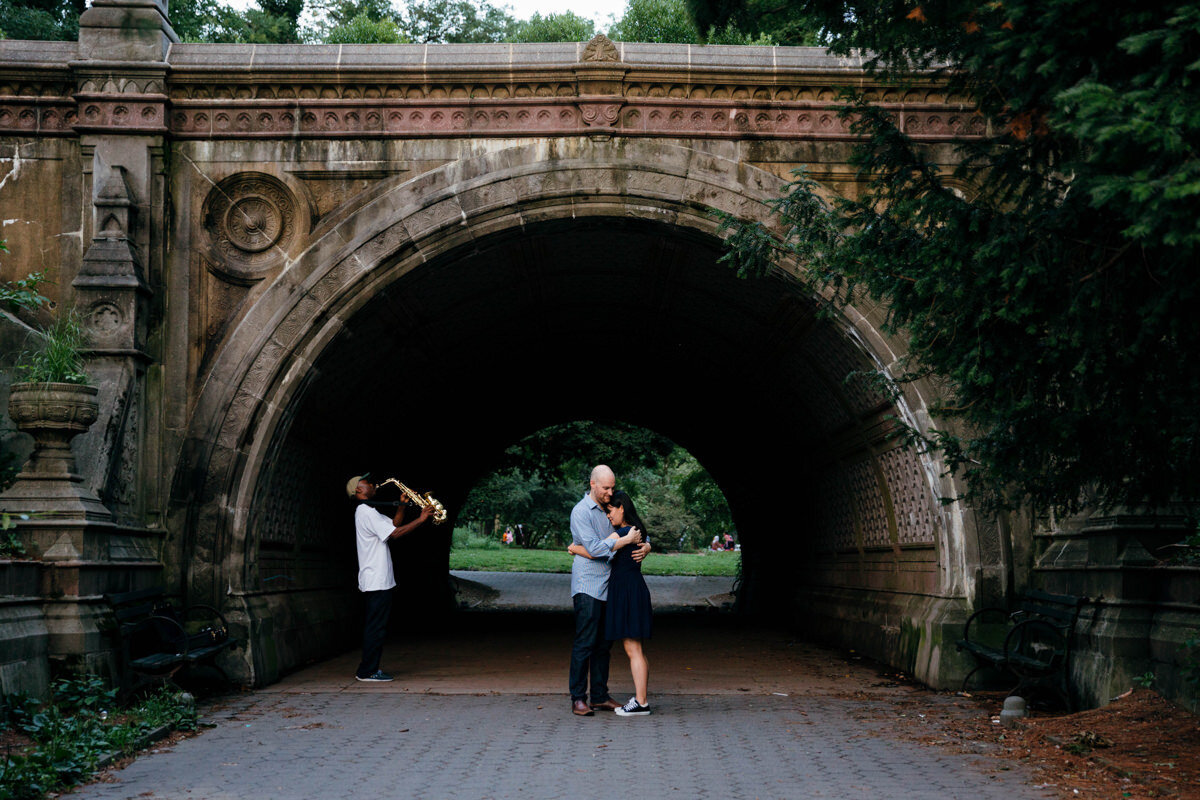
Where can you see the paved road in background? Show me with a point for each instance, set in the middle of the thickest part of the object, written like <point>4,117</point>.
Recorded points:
<point>481,712</point>
<point>547,591</point>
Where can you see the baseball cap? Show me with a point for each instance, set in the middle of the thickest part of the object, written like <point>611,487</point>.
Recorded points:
<point>352,484</point>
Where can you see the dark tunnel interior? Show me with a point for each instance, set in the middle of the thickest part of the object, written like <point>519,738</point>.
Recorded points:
<point>597,318</point>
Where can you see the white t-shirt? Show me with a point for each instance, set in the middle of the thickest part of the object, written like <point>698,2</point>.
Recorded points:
<point>374,557</point>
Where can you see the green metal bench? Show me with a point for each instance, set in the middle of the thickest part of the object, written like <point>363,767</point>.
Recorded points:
<point>158,639</point>
<point>1033,643</point>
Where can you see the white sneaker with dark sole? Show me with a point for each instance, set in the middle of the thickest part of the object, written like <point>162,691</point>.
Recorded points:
<point>632,709</point>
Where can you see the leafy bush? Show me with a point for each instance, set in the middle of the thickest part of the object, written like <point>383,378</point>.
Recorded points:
<point>73,731</point>
<point>88,693</point>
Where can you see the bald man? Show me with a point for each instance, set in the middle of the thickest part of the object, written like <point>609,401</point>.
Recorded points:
<point>589,591</point>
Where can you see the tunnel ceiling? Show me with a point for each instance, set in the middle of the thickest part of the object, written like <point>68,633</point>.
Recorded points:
<point>581,319</point>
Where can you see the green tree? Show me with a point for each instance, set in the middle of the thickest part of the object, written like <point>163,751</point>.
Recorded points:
<point>543,508</point>
<point>731,34</point>
<point>288,13</point>
<point>454,21</point>
<point>680,502</point>
<point>1056,297</point>
<point>41,19</point>
<point>544,475</point>
<point>364,30</point>
<point>569,450</point>
<point>783,22</point>
<point>666,21</point>
<point>336,13</point>
<point>564,27</point>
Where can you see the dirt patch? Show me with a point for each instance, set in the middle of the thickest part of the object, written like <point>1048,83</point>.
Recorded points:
<point>1139,746</point>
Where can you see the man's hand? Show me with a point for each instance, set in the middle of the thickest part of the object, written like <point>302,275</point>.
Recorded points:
<point>640,551</point>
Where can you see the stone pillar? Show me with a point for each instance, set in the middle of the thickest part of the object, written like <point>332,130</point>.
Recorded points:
<point>120,82</point>
<point>1141,611</point>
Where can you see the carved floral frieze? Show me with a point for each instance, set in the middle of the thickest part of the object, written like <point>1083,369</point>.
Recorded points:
<point>631,116</point>
<point>127,113</point>
<point>37,116</point>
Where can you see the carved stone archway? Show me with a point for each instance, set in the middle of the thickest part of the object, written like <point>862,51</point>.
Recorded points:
<point>264,367</point>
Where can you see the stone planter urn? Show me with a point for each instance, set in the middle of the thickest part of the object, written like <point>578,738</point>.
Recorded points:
<point>53,414</point>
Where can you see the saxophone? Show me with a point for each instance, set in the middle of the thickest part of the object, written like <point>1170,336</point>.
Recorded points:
<point>427,500</point>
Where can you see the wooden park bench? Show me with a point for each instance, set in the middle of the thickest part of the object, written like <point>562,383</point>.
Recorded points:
<point>158,639</point>
<point>1033,643</point>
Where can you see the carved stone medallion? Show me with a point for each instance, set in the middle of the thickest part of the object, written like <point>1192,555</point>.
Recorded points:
<point>600,48</point>
<point>104,318</point>
<point>251,221</point>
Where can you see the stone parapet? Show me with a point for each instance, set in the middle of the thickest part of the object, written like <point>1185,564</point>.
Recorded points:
<point>202,91</point>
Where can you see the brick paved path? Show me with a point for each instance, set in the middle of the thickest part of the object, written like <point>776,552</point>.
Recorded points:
<point>506,746</point>
<point>783,720</point>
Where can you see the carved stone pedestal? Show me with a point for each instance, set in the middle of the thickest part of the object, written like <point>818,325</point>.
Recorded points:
<point>1141,610</point>
<point>59,615</point>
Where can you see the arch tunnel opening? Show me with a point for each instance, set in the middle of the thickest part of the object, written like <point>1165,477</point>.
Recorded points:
<point>595,318</point>
<point>526,501</point>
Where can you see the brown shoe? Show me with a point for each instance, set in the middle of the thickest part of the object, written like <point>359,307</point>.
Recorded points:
<point>580,708</point>
<point>607,705</point>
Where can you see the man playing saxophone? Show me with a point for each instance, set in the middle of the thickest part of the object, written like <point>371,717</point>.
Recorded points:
<point>373,530</point>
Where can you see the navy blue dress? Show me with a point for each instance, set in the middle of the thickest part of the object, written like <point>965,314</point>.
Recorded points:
<point>628,613</point>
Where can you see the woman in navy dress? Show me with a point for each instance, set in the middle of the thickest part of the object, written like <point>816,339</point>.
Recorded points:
<point>627,615</point>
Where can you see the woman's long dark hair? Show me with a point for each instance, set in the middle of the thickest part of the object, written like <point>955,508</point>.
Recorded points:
<point>622,500</point>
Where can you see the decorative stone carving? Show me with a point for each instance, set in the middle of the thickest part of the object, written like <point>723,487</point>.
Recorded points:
<point>110,290</point>
<point>600,48</point>
<point>53,414</point>
<point>912,500</point>
<point>104,319</point>
<point>251,221</point>
<point>600,115</point>
<point>106,113</point>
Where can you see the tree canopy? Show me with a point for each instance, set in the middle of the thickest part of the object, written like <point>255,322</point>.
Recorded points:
<point>423,21</point>
<point>40,19</point>
<point>543,476</point>
<point>1050,281</point>
<point>665,21</point>
<point>564,27</point>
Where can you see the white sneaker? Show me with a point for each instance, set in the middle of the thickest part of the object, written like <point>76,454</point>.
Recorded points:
<point>632,709</point>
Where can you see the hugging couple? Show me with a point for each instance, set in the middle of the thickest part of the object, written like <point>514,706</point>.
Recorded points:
<point>608,540</point>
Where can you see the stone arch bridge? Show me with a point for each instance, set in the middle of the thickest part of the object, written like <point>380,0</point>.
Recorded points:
<point>300,262</point>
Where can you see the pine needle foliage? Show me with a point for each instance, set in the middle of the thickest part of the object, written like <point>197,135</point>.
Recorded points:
<point>1051,281</point>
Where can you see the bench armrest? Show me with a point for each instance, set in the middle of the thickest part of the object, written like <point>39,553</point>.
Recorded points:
<point>991,611</point>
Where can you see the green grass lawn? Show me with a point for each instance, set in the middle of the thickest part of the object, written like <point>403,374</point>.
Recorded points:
<point>514,559</point>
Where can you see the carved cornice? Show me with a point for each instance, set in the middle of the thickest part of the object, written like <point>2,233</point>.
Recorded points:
<point>204,99</point>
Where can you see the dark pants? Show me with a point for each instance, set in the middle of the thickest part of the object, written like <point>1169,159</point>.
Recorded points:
<point>590,650</point>
<point>378,609</point>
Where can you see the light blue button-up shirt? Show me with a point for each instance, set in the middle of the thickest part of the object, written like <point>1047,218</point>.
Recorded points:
<point>590,528</point>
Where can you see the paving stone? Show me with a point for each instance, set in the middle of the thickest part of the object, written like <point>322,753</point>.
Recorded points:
<point>504,746</point>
